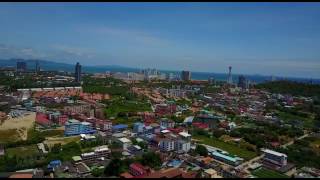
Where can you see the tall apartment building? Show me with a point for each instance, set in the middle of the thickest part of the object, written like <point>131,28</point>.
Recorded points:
<point>21,66</point>
<point>77,73</point>
<point>242,83</point>
<point>185,75</point>
<point>180,143</point>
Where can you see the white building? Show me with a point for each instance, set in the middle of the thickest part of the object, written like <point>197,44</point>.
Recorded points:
<point>125,142</point>
<point>100,152</point>
<point>171,142</point>
<point>274,157</point>
<point>167,144</point>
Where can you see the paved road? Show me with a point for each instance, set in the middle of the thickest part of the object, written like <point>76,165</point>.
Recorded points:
<point>245,164</point>
<point>291,142</point>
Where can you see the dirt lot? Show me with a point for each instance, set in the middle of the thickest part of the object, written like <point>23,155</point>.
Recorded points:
<point>20,125</point>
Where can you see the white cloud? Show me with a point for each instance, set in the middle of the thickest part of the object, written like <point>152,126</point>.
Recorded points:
<point>74,51</point>
<point>142,37</point>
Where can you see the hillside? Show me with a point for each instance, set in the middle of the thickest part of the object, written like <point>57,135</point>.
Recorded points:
<point>290,87</point>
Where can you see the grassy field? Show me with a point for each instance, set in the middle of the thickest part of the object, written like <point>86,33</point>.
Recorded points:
<point>50,141</point>
<point>53,133</point>
<point>287,117</point>
<point>231,148</point>
<point>126,106</point>
<point>266,173</point>
<point>23,151</point>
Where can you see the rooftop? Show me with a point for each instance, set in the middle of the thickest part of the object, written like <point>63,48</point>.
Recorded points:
<point>184,134</point>
<point>273,152</point>
<point>124,140</point>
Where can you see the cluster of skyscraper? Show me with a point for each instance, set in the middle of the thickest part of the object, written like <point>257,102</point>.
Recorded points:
<point>22,66</point>
<point>185,75</point>
<point>242,82</point>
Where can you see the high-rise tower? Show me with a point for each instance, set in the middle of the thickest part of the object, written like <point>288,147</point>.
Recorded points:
<point>37,67</point>
<point>230,76</point>
<point>21,66</point>
<point>185,75</point>
<point>77,73</point>
<point>242,82</point>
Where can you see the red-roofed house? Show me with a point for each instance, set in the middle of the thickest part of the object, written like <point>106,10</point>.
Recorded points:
<point>126,175</point>
<point>176,130</point>
<point>137,169</point>
<point>200,125</point>
<point>42,119</point>
<point>62,119</point>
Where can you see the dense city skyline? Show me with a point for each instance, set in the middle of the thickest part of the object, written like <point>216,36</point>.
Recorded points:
<point>279,39</point>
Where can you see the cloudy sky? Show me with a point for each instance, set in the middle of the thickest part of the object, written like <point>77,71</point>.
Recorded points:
<point>254,38</point>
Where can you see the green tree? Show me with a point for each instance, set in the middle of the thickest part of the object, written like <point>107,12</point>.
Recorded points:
<point>151,159</point>
<point>201,150</point>
<point>97,172</point>
<point>114,168</point>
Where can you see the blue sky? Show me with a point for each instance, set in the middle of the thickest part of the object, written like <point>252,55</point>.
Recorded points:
<point>255,38</point>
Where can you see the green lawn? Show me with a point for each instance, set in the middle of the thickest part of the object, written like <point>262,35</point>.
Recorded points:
<point>52,133</point>
<point>266,173</point>
<point>23,151</point>
<point>126,106</point>
<point>231,148</point>
<point>287,117</point>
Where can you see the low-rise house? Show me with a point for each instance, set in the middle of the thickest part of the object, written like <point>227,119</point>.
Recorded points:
<point>226,157</point>
<point>170,173</point>
<point>119,127</point>
<point>274,158</point>
<point>100,153</point>
<point>167,123</point>
<point>125,143</point>
<point>42,119</point>
<point>211,173</point>
<point>135,150</point>
<point>54,164</point>
<point>136,169</point>
<point>163,109</point>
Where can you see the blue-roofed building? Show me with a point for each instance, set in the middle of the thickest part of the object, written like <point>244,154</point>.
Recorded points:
<point>138,127</point>
<point>174,163</point>
<point>74,127</point>
<point>147,130</point>
<point>188,120</point>
<point>226,157</point>
<point>54,164</point>
<point>119,127</point>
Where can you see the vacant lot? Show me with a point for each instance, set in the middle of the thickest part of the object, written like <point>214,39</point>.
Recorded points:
<point>126,106</point>
<point>23,151</point>
<point>50,141</point>
<point>7,136</point>
<point>16,128</point>
<point>266,173</point>
<point>231,148</point>
<point>53,133</point>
